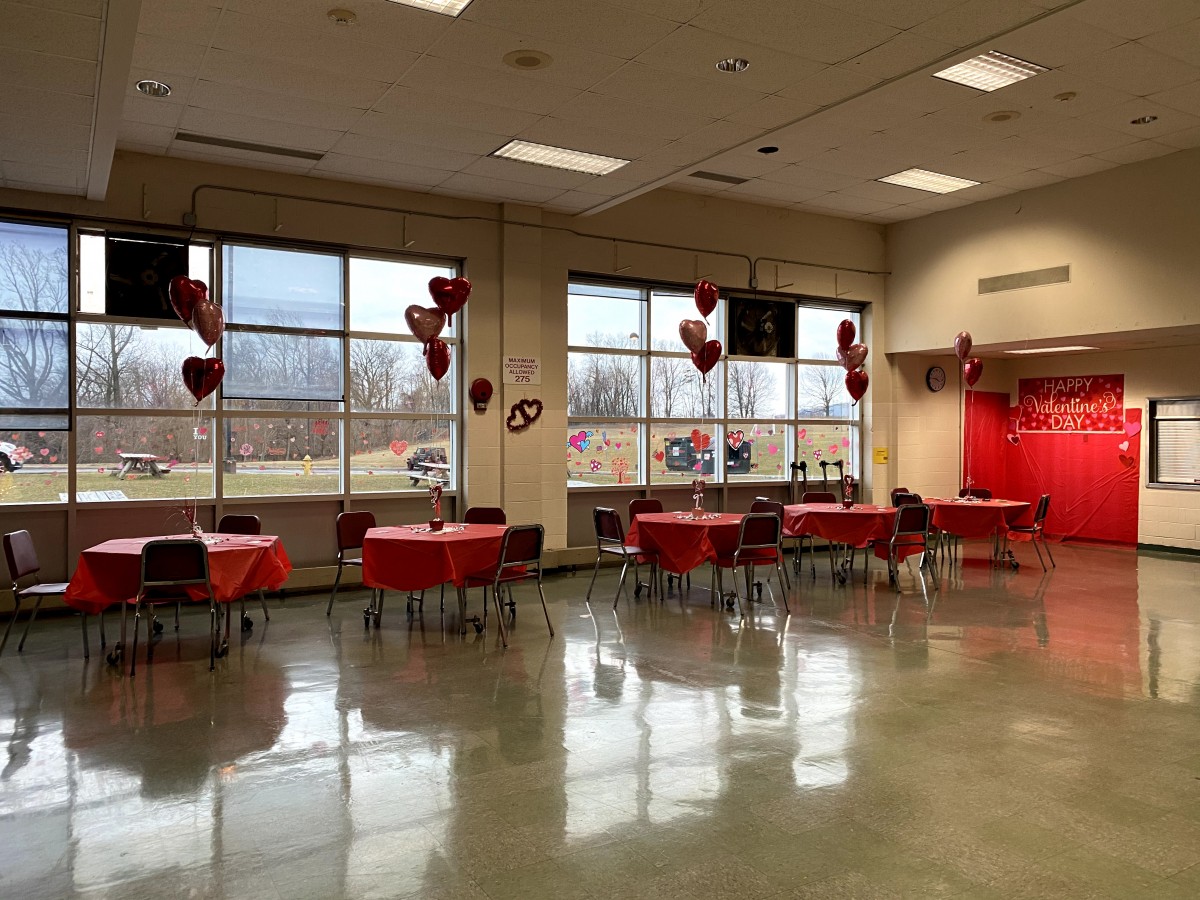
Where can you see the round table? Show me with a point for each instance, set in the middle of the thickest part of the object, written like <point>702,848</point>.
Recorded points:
<point>683,543</point>
<point>975,518</point>
<point>854,526</point>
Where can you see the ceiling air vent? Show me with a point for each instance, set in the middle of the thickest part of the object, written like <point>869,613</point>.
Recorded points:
<point>1017,280</point>
<point>717,176</point>
<point>246,145</point>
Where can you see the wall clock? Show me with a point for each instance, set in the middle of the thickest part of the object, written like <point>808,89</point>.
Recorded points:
<point>935,378</point>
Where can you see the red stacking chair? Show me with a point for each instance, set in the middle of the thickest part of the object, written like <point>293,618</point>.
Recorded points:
<point>520,560</point>
<point>910,534</point>
<point>775,508</point>
<point>758,545</point>
<point>352,528</point>
<point>1036,530</point>
<point>241,524</point>
<point>168,567</point>
<point>813,497</point>
<point>610,539</point>
<point>646,506</point>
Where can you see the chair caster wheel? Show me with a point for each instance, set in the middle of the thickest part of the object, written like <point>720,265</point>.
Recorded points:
<point>759,588</point>
<point>158,627</point>
<point>115,656</point>
<point>478,628</point>
<point>366,618</point>
<point>729,603</point>
<point>637,591</point>
<point>223,650</point>
<point>247,623</point>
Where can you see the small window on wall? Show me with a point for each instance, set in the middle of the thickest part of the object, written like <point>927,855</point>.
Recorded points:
<point>1175,442</point>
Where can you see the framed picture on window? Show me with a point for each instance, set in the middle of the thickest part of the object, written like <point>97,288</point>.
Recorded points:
<point>759,327</point>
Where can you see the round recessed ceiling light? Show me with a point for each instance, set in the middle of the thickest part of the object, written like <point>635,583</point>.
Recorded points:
<point>154,88</point>
<point>528,60</point>
<point>768,149</point>
<point>733,64</point>
<point>1143,120</point>
<point>1002,115</point>
<point>1065,96</point>
<point>342,16</point>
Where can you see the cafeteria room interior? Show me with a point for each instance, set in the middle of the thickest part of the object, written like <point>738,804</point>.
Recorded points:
<point>359,329</point>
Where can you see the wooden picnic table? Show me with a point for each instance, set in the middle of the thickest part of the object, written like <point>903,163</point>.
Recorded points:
<point>140,463</point>
<point>431,472</point>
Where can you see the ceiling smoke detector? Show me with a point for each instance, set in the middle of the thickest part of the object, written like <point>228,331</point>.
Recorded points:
<point>154,88</point>
<point>528,60</point>
<point>1002,115</point>
<point>733,64</point>
<point>342,16</point>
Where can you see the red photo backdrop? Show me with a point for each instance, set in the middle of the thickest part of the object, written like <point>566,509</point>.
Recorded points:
<point>1092,478</point>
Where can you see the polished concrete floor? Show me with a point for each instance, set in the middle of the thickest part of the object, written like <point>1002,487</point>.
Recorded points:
<point>1011,735</point>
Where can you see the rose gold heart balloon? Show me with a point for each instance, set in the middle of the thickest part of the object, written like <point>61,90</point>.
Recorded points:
<point>208,321</point>
<point>852,357</point>
<point>425,322</point>
<point>693,333</point>
<point>963,344</point>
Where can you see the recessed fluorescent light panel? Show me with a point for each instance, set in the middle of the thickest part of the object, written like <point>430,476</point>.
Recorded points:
<point>990,71</point>
<point>1048,350</point>
<point>924,180</point>
<point>560,158</point>
<point>444,7</point>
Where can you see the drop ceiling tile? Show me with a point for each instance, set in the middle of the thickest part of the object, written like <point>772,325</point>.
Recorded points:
<point>677,155</point>
<point>275,107</point>
<point>92,8</point>
<point>1136,69</point>
<point>813,208</point>
<point>745,164</point>
<point>151,110</point>
<point>183,20</point>
<point>381,171</point>
<point>478,186</point>
<point>902,14</point>
<point>15,185</point>
<point>805,28</point>
<point>1028,180</point>
<point>721,136</point>
<point>895,214</point>
<point>780,194</point>
<point>391,25</point>
<point>403,154</point>
<point>803,176</point>
<point>167,56</point>
<point>484,46</point>
<point>937,202</point>
<point>572,202</point>
<point>620,115</point>
<point>12,150</point>
<point>1182,140</point>
<point>44,176</point>
<point>24,68</point>
<point>1032,154</point>
<point>1077,168</point>
<point>673,10</point>
<point>846,203</point>
<point>328,49</point>
<point>644,171</point>
<point>598,27</point>
<point>1121,118</point>
<point>899,55</point>
<point>768,200</point>
<point>977,20</point>
<point>976,113</point>
<point>1180,41</point>
<point>432,106</point>
<point>1056,41</point>
<point>70,109</point>
<point>291,78</point>
<point>944,135</point>
<point>158,136</point>
<point>607,186</point>
<point>210,122</point>
<point>656,87</point>
<point>829,86</point>
<point>429,134</point>
<point>984,192</point>
<point>1185,97</point>
<point>1040,94</point>
<point>976,165</point>
<point>771,112</point>
<point>695,52</point>
<point>42,129</point>
<point>508,89</point>
<point>527,173</point>
<point>48,31</point>
<point>1133,20</point>
<point>1138,152</point>
<point>848,162</point>
<point>1080,136</point>
<point>888,193</point>
<point>578,136</point>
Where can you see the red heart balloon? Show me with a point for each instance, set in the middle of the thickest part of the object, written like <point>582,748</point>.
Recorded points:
<point>962,345</point>
<point>707,357</point>
<point>425,323</point>
<point>450,294</point>
<point>184,294</point>
<point>856,383</point>
<point>208,321</point>
<point>201,376</point>
<point>437,358</point>
<point>972,370</point>
<point>852,357</point>
<point>845,334</point>
<point>706,295</point>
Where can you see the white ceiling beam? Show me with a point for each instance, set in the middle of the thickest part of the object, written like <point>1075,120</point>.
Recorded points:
<point>116,61</point>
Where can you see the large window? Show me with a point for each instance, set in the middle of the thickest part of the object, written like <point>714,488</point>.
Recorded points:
<point>1175,442</point>
<point>640,413</point>
<point>325,390</point>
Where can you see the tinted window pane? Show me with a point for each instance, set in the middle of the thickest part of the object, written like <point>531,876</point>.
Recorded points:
<point>603,453</point>
<point>400,454</point>
<point>604,317</point>
<point>286,288</point>
<point>33,268</point>
<point>134,367</point>
<point>600,384</point>
<point>392,376</point>
<point>33,365</point>
<point>821,393</point>
<point>380,291</point>
<point>266,456</point>
<point>275,366</point>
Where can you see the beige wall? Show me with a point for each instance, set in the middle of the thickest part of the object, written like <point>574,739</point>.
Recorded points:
<point>518,306</point>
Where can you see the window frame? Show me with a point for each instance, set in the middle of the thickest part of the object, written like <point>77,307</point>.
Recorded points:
<point>1152,466</point>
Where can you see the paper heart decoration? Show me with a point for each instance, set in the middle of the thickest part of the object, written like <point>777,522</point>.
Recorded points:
<point>659,455</point>
<point>1132,428</point>
<point>1123,446</point>
<point>208,321</point>
<point>398,447</point>
<point>707,357</point>
<point>1127,461</point>
<point>580,441</point>
<point>706,294</point>
<point>802,434</point>
<point>700,440</point>
<point>44,452</point>
<point>693,333</point>
<point>845,333</point>
<point>523,414</point>
<point>1013,439</point>
<point>450,294</point>
<point>184,294</point>
<point>833,448</point>
<point>772,449</point>
<point>734,438</point>
<point>201,377</point>
<point>425,322</point>
<point>437,358</point>
<point>852,357</point>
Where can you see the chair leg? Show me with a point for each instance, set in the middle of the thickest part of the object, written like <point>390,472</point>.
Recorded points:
<point>545,611</point>
<point>621,583</point>
<point>1053,564</point>
<point>379,606</point>
<point>11,622</point>
<point>336,581</point>
<point>1036,550</point>
<point>177,608</point>
<point>737,591</point>
<point>149,636</point>
<point>783,569</point>
<point>33,615</point>
<point>103,639</point>
<point>137,619</point>
<point>499,615</point>
<point>212,637</point>
<point>86,653</point>
<point>595,572</point>
<point>262,598</point>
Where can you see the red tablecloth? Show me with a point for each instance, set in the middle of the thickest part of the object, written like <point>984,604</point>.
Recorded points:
<point>238,564</point>
<point>683,544</point>
<point>854,526</point>
<point>398,559</point>
<point>975,518</point>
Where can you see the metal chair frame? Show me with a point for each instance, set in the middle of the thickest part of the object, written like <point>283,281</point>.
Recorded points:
<point>775,508</point>
<point>350,527</point>
<point>610,539</point>
<point>21,556</point>
<point>240,523</point>
<point>750,522</point>
<point>1036,530</point>
<point>814,497</point>
<point>511,570</point>
<point>148,596</point>
<point>637,507</point>
<point>902,534</point>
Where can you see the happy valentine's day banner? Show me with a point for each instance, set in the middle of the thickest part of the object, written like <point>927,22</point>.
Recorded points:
<point>1093,404</point>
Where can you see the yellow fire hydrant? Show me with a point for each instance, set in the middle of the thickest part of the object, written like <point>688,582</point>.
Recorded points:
<point>307,463</point>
